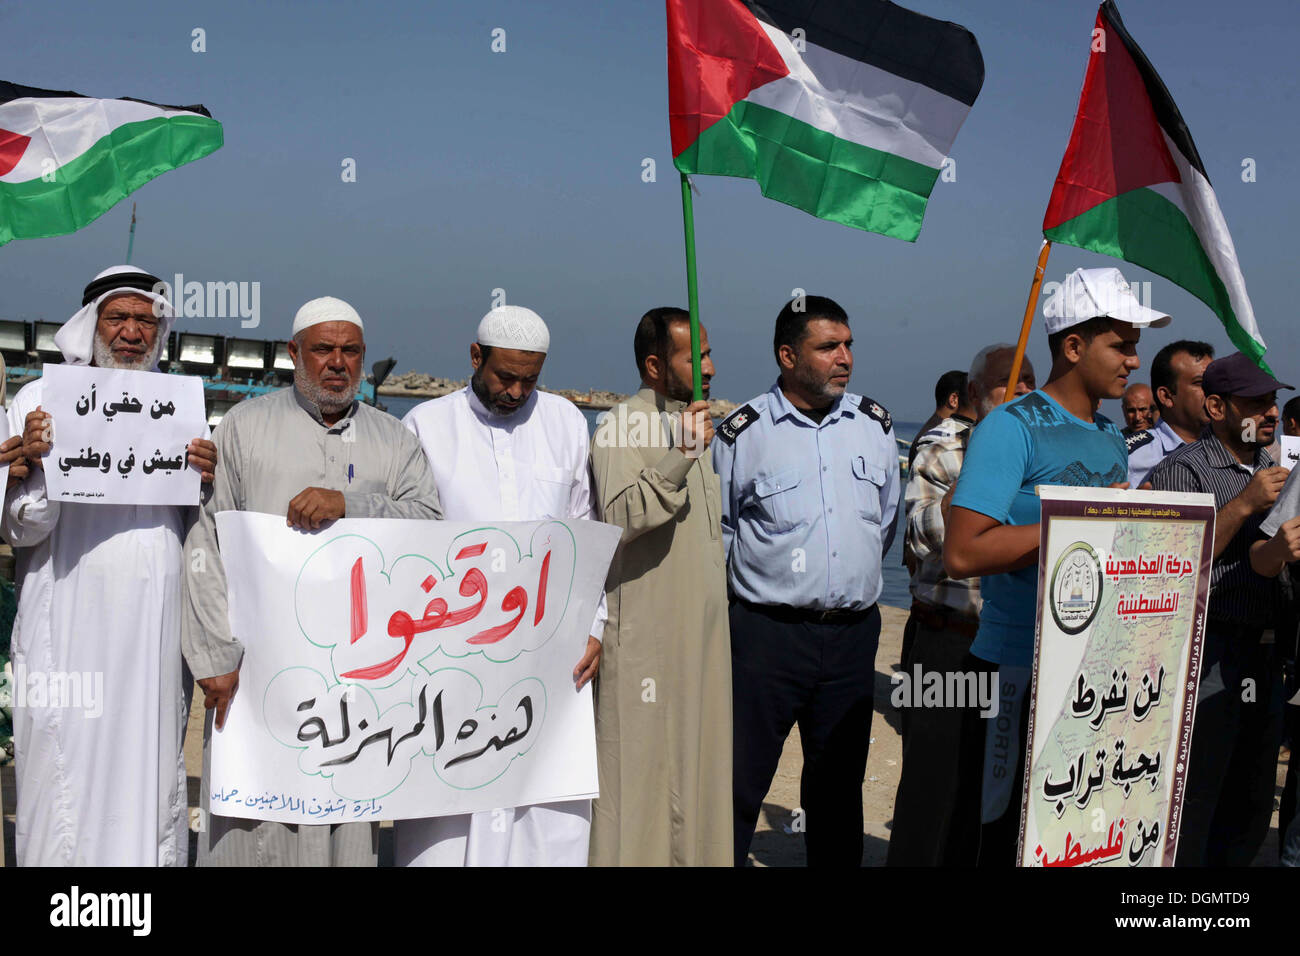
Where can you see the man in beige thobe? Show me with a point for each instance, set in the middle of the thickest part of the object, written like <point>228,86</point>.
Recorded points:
<point>663,695</point>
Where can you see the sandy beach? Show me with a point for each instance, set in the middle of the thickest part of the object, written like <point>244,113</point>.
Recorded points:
<point>776,843</point>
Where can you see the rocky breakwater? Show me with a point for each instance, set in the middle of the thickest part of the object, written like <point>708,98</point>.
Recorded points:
<point>419,385</point>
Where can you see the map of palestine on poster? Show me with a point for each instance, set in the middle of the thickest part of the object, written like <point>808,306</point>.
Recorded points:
<point>1123,581</point>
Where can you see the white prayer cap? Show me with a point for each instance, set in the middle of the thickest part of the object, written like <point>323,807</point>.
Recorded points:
<point>76,338</point>
<point>514,327</point>
<point>325,309</point>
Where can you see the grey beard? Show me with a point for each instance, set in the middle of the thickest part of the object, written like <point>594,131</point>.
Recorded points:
<point>823,390</point>
<point>326,402</point>
<point>103,357</point>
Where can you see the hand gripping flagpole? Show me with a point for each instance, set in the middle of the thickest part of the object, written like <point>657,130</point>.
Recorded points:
<point>692,291</point>
<point>1028,323</point>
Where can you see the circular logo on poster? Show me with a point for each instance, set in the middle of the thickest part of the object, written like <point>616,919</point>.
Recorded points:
<point>1075,590</point>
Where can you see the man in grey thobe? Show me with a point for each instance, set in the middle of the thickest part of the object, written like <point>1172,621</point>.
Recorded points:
<point>313,454</point>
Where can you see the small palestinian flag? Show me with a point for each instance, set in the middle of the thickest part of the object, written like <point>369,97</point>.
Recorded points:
<point>1133,186</point>
<point>843,108</point>
<point>65,159</point>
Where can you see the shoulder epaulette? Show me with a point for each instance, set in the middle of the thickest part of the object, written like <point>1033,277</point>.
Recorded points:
<point>736,422</point>
<point>1139,439</point>
<point>877,411</point>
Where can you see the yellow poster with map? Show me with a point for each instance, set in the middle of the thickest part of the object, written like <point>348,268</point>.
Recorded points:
<point>1123,580</point>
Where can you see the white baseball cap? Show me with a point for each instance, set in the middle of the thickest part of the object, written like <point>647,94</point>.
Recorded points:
<point>1095,293</point>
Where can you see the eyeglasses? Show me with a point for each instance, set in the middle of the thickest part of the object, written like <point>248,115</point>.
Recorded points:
<point>146,320</point>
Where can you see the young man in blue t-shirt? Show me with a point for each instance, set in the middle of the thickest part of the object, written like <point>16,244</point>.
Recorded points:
<point>1052,436</point>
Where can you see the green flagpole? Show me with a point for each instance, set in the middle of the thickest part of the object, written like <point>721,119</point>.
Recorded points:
<point>692,291</point>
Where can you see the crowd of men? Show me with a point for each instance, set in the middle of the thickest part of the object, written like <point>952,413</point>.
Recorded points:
<point>1202,425</point>
<point>745,583</point>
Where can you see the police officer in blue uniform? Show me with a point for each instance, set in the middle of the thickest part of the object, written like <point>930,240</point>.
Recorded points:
<point>810,486</point>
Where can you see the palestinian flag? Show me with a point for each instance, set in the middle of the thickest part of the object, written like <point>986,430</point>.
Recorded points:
<point>1133,186</point>
<point>65,159</point>
<point>843,108</point>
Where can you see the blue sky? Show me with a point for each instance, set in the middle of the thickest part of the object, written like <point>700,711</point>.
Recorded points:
<point>522,171</point>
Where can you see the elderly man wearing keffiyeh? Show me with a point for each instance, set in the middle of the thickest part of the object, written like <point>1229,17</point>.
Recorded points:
<point>99,594</point>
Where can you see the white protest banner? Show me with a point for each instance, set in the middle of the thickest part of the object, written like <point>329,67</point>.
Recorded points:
<point>1290,455</point>
<point>1123,581</point>
<point>122,451</point>
<point>396,669</point>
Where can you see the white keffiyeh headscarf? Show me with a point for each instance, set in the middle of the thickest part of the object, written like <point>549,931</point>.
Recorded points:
<point>76,338</point>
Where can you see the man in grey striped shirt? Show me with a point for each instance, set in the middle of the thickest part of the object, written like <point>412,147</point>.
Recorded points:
<point>937,808</point>
<point>1231,773</point>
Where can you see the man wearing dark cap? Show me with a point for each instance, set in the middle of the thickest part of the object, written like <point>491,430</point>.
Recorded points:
<point>1229,798</point>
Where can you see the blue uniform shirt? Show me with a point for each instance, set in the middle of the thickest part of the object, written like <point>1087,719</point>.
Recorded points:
<point>808,509</point>
<point>1147,449</point>
<point>1029,442</point>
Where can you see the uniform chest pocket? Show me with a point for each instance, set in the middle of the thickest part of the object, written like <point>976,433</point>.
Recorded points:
<point>868,479</point>
<point>551,489</point>
<point>777,501</point>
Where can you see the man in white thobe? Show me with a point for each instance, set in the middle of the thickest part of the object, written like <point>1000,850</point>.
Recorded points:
<point>99,592</point>
<point>502,451</point>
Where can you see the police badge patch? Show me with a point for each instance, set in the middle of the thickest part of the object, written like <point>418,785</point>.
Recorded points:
<point>1139,439</point>
<point>736,422</point>
<point>877,411</point>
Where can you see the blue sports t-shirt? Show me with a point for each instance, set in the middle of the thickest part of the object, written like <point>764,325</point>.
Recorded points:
<point>1031,441</point>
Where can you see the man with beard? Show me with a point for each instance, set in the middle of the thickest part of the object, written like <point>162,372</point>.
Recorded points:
<point>810,483</point>
<point>663,700</point>
<point>1228,801</point>
<point>313,453</point>
<point>501,450</point>
<point>99,592</point>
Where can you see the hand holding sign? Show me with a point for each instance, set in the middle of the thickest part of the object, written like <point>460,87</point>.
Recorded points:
<point>202,454</point>
<point>38,434</point>
<point>313,507</point>
<point>1263,489</point>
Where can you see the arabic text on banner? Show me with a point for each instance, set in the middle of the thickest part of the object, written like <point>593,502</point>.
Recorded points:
<point>396,668</point>
<point>1123,580</point>
<point>120,437</point>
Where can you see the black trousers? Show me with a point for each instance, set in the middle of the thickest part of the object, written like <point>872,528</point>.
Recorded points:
<point>937,809</point>
<point>999,838</point>
<point>821,676</point>
<point>1232,769</point>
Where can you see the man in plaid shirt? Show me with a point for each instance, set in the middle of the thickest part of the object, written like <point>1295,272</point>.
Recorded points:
<point>937,808</point>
